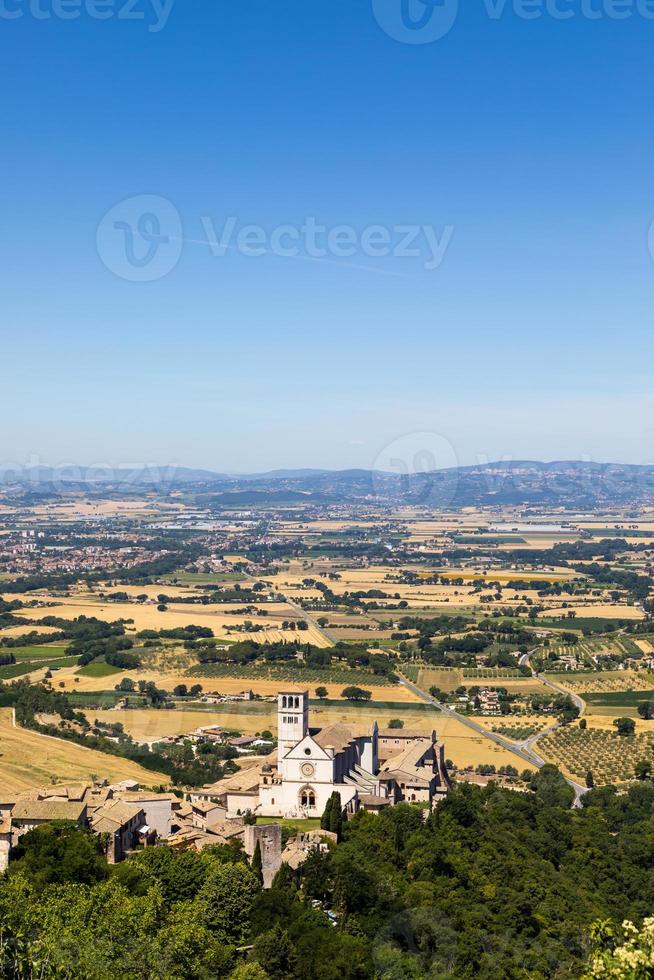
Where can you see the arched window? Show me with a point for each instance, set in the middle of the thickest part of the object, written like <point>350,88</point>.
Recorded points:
<point>307,798</point>
<point>297,702</point>
<point>284,701</point>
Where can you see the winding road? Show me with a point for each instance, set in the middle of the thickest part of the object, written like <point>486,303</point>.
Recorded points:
<point>523,750</point>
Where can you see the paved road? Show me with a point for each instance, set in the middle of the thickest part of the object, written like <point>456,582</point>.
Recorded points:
<point>530,742</point>
<point>298,609</point>
<point>523,750</point>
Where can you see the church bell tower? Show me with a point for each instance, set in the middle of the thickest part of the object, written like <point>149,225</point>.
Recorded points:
<point>292,719</point>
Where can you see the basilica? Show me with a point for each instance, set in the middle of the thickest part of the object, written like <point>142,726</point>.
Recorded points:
<point>369,768</point>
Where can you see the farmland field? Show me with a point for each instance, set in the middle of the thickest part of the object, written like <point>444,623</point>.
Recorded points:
<point>464,746</point>
<point>222,618</point>
<point>597,682</point>
<point>23,667</point>
<point>610,757</point>
<point>98,668</point>
<point>449,678</point>
<point>37,653</point>
<point>28,760</point>
<point>230,680</point>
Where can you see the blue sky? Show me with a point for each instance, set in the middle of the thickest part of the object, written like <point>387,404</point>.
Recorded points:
<point>526,143</point>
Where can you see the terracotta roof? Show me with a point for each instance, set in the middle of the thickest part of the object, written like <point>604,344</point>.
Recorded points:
<point>406,762</point>
<point>73,793</point>
<point>369,799</point>
<point>239,782</point>
<point>141,796</point>
<point>338,736</point>
<point>198,839</point>
<point>47,810</point>
<point>114,815</point>
<point>404,733</point>
<point>206,807</point>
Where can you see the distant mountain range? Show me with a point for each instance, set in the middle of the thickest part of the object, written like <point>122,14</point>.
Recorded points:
<point>573,484</point>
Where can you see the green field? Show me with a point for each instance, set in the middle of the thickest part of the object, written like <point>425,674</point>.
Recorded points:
<point>26,667</point>
<point>102,699</point>
<point>614,532</point>
<point>310,823</point>
<point>17,670</point>
<point>98,668</point>
<point>38,652</point>
<point>483,539</point>
<point>596,624</point>
<point>206,578</point>
<point>619,699</point>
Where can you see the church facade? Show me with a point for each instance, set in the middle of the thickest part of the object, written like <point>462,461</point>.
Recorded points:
<point>369,769</point>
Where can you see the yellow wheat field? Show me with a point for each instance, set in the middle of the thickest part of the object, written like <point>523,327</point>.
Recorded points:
<point>463,746</point>
<point>28,760</point>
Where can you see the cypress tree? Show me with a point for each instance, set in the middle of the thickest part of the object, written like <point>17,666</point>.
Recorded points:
<point>325,820</point>
<point>257,863</point>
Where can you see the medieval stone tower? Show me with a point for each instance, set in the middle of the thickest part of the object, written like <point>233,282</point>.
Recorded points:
<point>292,719</point>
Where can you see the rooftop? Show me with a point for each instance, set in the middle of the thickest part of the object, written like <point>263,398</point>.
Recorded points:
<point>47,810</point>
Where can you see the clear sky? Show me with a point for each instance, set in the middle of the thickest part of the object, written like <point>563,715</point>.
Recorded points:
<point>523,146</point>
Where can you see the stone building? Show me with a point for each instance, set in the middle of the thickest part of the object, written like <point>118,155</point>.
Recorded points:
<point>366,771</point>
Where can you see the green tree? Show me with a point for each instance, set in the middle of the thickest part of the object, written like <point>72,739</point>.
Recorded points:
<point>643,769</point>
<point>179,875</point>
<point>625,726</point>
<point>274,951</point>
<point>60,852</point>
<point>623,953</point>
<point>249,971</point>
<point>551,788</point>
<point>321,692</point>
<point>646,710</point>
<point>226,900</point>
<point>354,693</point>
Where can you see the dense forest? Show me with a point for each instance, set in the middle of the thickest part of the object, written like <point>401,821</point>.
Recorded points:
<point>493,884</point>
